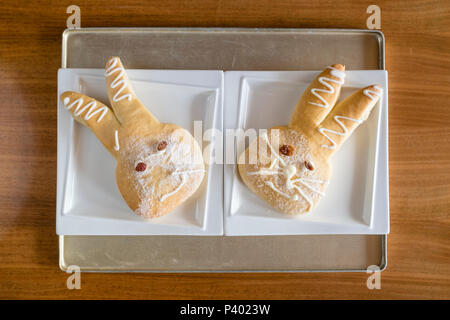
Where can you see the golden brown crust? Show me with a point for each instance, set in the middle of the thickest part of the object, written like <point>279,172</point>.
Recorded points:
<point>294,183</point>
<point>260,183</point>
<point>355,107</point>
<point>94,115</point>
<point>152,180</point>
<point>147,192</point>
<point>308,114</point>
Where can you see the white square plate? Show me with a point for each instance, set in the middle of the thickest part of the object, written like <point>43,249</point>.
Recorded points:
<point>353,204</point>
<point>88,200</point>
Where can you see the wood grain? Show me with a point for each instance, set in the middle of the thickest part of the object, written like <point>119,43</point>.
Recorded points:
<point>418,60</point>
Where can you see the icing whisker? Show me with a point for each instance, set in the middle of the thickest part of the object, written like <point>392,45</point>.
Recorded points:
<point>309,187</point>
<point>274,152</point>
<point>263,173</point>
<point>167,195</point>
<point>188,171</point>
<point>310,204</point>
<point>272,186</point>
<point>272,170</point>
<point>310,180</point>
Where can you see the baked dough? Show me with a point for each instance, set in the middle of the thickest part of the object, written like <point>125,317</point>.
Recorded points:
<point>159,165</point>
<point>289,166</point>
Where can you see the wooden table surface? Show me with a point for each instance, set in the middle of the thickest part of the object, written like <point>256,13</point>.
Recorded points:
<point>417,58</point>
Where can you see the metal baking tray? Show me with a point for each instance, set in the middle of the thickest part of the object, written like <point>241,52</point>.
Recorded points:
<point>224,49</point>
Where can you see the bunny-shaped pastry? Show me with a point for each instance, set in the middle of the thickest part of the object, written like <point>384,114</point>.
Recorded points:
<point>291,167</point>
<point>159,165</point>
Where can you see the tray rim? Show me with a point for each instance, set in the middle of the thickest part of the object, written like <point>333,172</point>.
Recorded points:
<point>381,66</point>
<point>68,32</point>
<point>382,266</point>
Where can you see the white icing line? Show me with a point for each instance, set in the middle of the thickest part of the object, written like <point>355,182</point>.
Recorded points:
<point>262,173</point>
<point>79,101</point>
<point>272,186</point>
<point>158,153</point>
<point>289,171</point>
<point>66,101</point>
<point>273,165</point>
<point>91,107</point>
<point>337,73</point>
<point>312,180</point>
<point>116,138</point>
<point>310,187</point>
<point>117,81</point>
<point>373,95</point>
<point>93,111</point>
<point>269,171</point>
<point>344,128</point>
<point>183,181</point>
<point>265,172</point>
<point>274,152</point>
<point>330,89</point>
<point>188,171</point>
<point>305,197</point>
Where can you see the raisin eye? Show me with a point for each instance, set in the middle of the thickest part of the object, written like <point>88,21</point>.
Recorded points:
<point>286,150</point>
<point>162,145</point>
<point>141,167</point>
<point>309,165</point>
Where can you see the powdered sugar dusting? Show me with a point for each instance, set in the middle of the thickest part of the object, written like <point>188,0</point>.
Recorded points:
<point>285,183</point>
<point>171,175</point>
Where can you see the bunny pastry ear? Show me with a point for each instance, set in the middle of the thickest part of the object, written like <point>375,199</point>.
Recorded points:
<point>345,117</point>
<point>123,100</point>
<point>95,115</point>
<point>318,99</point>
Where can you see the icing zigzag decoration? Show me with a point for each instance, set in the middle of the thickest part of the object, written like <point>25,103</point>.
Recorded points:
<point>159,165</point>
<point>299,154</point>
